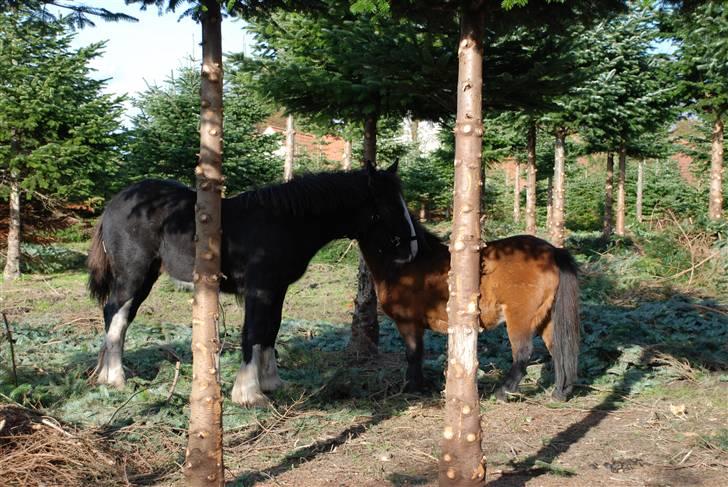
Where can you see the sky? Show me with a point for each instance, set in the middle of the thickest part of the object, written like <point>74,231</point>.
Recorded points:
<point>146,52</point>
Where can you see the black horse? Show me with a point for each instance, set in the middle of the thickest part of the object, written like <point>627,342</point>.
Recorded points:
<point>269,236</point>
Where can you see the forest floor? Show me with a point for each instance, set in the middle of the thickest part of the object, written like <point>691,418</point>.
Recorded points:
<point>651,407</point>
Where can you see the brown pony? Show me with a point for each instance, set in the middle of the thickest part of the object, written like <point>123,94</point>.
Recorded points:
<point>525,281</point>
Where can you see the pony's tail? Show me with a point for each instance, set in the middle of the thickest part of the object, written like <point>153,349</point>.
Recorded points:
<point>566,327</point>
<point>99,267</point>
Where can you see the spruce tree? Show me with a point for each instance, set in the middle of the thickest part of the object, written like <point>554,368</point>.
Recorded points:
<point>59,134</point>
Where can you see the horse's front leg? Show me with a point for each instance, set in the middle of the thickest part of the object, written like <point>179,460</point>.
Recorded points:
<point>412,333</point>
<point>109,369</point>
<point>258,371</point>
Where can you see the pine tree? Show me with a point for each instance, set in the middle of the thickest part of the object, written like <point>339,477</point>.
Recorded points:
<point>58,131</point>
<point>164,133</point>
<point>701,64</point>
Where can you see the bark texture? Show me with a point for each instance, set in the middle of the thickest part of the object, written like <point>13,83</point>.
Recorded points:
<point>462,462</point>
<point>364,324</point>
<point>620,228</point>
<point>517,194</point>
<point>558,217</point>
<point>550,204</point>
<point>531,180</point>
<point>715,208</point>
<point>204,460</point>
<point>290,149</point>
<point>12,258</point>
<point>608,197</point>
<point>640,184</point>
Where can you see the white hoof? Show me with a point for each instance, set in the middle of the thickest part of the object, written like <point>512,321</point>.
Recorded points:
<point>249,397</point>
<point>246,390</point>
<point>113,377</point>
<point>269,378</point>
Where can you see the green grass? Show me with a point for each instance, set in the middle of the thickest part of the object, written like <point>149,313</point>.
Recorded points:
<point>642,338</point>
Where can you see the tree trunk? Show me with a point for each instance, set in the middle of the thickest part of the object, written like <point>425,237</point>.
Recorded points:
<point>414,134</point>
<point>550,205</point>
<point>620,190</point>
<point>640,183</point>
<point>290,149</point>
<point>531,181</point>
<point>346,161</point>
<point>462,462</point>
<point>715,207</point>
<point>12,258</point>
<point>608,197</point>
<point>558,217</point>
<point>517,194</point>
<point>204,459</point>
<point>424,213</point>
<point>364,324</point>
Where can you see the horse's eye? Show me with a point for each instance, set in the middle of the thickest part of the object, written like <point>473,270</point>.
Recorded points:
<point>396,241</point>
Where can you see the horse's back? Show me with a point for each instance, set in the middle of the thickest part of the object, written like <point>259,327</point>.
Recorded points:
<point>151,220</point>
<point>519,278</point>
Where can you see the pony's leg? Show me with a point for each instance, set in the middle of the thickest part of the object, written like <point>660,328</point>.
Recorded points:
<point>259,304</point>
<point>521,338</point>
<point>119,312</point>
<point>268,373</point>
<point>412,334</point>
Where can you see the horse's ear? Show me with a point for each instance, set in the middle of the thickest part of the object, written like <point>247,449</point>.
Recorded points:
<point>371,169</point>
<point>393,168</point>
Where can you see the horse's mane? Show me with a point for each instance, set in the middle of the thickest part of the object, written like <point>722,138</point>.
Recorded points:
<point>314,193</point>
<point>428,241</point>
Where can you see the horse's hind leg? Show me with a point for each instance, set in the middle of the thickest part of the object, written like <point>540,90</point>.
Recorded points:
<point>521,338</point>
<point>119,311</point>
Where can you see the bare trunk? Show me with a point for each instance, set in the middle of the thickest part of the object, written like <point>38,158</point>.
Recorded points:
<point>608,196</point>
<point>550,205</point>
<point>364,324</point>
<point>620,190</point>
<point>424,213</point>
<point>640,183</point>
<point>290,149</point>
<point>346,161</point>
<point>531,181</point>
<point>414,133</point>
<point>12,258</point>
<point>558,218</point>
<point>462,462</point>
<point>204,459</point>
<point>517,194</point>
<point>715,208</point>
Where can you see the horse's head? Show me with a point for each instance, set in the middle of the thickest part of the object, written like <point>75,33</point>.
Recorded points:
<point>388,229</point>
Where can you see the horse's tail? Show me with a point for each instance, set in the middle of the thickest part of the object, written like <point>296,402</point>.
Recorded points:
<point>566,327</point>
<point>99,267</point>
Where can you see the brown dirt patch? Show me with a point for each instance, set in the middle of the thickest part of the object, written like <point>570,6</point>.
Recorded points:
<point>588,442</point>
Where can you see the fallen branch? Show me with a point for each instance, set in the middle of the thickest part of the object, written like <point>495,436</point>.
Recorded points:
<point>174,381</point>
<point>692,268</point>
<point>9,336</point>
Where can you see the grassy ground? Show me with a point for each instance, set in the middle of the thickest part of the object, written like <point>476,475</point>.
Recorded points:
<point>651,408</point>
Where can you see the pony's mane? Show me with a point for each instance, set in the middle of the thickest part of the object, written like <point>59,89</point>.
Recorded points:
<point>314,193</point>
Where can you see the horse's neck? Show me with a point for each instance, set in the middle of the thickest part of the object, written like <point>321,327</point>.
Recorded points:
<point>384,270</point>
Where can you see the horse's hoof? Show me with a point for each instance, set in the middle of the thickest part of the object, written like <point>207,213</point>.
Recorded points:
<point>501,395</point>
<point>110,378</point>
<point>270,384</point>
<point>561,395</point>
<point>249,397</point>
